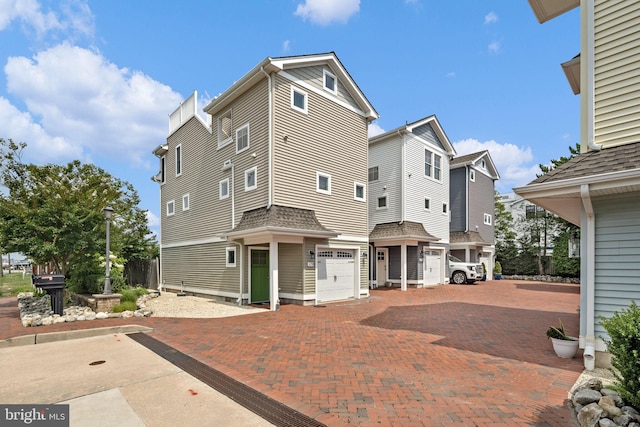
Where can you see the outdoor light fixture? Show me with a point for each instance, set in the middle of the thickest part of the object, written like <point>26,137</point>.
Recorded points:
<point>108,212</point>
<point>312,254</point>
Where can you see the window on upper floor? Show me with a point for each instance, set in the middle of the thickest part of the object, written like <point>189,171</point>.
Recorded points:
<point>163,169</point>
<point>171,207</point>
<point>231,257</point>
<point>483,164</point>
<point>178,160</point>
<point>382,202</point>
<point>224,188</point>
<point>432,165</point>
<point>487,219</point>
<point>373,173</point>
<point>427,204</point>
<point>298,100</point>
<point>472,175</point>
<point>242,138</point>
<point>445,208</point>
<point>185,202</point>
<point>359,192</point>
<point>323,183</point>
<point>330,82</point>
<point>224,129</point>
<point>251,179</point>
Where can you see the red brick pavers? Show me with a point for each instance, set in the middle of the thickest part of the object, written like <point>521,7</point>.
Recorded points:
<point>451,355</point>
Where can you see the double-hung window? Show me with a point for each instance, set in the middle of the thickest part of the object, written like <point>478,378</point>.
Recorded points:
<point>242,138</point>
<point>432,165</point>
<point>374,174</point>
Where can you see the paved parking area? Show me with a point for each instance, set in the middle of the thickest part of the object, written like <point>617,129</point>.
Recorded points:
<point>451,355</point>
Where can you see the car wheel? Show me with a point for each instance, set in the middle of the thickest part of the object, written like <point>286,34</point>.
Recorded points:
<point>459,278</point>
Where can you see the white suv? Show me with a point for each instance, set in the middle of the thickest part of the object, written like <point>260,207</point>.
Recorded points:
<point>464,272</point>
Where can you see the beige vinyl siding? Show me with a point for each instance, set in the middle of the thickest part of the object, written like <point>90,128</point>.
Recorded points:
<point>617,71</point>
<point>314,76</point>
<point>330,139</point>
<point>290,276</point>
<point>201,268</point>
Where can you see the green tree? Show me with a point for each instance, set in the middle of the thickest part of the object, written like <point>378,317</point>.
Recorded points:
<point>54,214</point>
<point>505,237</point>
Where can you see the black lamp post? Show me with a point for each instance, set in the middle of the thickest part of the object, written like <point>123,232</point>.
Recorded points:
<point>108,211</point>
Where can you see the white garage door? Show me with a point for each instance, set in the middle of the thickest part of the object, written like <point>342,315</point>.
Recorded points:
<point>336,274</point>
<point>432,267</point>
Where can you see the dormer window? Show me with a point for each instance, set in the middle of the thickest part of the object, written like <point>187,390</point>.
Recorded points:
<point>330,82</point>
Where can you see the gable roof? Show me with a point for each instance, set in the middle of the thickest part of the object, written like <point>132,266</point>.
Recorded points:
<point>275,65</point>
<point>612,170</point>
<point>409,127</point>
<point>473,159</point>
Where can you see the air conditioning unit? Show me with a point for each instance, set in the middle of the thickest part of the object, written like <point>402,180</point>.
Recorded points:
<point>226,165</point>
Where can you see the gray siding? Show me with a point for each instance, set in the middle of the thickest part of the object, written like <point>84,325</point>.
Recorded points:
<point>617,252</point>
<point>426,132</point>
<point>414,268</point>
<point>330,139</point>
<point>458,199</point>
<point>482,201</point>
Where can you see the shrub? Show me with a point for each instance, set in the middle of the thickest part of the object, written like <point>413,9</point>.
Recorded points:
<point>128,295</point>
<point>624,345</point>
<point>497,269</point>
<point>124,306</point>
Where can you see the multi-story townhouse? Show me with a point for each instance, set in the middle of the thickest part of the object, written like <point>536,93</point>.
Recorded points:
<point>409,205</point>
<point>472,201</point>
<point>266,200</point>
<point>599,189</point>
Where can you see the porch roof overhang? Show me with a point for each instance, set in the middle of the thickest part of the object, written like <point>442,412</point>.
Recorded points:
<point>403,232</point>
<point>466,239</point>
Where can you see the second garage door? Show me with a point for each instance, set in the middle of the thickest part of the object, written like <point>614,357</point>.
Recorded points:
<point>336,274</point>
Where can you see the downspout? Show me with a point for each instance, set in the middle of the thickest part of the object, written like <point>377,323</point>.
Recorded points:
<point>403,194</point>
<point>590,340</point>
<point>241,273</point>
<point>270,138</point>
<point>590,74</point>
<point>233,195</point>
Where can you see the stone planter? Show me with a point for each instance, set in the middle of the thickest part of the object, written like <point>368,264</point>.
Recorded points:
<point>566,349</point>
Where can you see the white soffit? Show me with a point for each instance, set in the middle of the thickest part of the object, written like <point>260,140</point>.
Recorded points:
<point>571,69</point>
<point>549,9</point>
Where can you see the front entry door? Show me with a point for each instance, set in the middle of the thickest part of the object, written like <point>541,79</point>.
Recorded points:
<point>381,267</point>
<point>259,275</point>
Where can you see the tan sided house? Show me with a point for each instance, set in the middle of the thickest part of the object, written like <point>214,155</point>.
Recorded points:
<point>265,201</point>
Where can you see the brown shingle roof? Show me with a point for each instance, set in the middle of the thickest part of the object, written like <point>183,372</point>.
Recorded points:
<point>280,217</point>
<point>466,237</point>
<point>401,230</point>
<point>607,160</point>
<point>467,158</point>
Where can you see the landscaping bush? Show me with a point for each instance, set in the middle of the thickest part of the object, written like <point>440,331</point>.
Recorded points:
<point>624,345</point>
<point>131,294</point>
<point>125,306</point>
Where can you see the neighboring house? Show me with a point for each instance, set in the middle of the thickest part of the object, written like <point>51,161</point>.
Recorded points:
<point>409,205</point>
<point>599,189</point>
<point>472,201</point>
<point>520,209</point>
<point>266,200</point>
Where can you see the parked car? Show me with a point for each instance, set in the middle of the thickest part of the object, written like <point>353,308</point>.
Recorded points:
<point>464,272</point>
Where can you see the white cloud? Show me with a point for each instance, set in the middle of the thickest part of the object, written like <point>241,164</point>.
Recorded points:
<point>491,18</point>
<point>153,220</point>
<point>286,46</point>
<point>375,129</point>
<point>73,17</point>
<point>324,12</point>
<point>88,104</point>
<point>513,162</point>
<point>451,74</point>
<point>494,47</point>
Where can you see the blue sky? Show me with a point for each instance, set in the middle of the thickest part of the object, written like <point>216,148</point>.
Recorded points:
<point>96,80</point>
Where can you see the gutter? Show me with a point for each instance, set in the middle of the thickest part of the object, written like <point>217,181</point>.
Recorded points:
<point>589,338</point>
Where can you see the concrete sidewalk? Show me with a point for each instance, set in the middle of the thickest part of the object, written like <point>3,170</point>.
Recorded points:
<point>110,380</point>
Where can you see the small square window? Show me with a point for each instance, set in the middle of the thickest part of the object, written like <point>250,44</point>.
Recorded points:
<point>231,257</point>
<point>330,82</point>
<point>250,179</point>
<point>487,219</point>
<point>179,160</point>
<point>171,207</point>
<point>359,192</point>
<point>224,188</point>
<point>373,173</point>
<point>427,204</point>
<point>382,202</point>
<point>323,183</point>
<point>472,175</point>
<point>185,202</point>
<point>298,100</point>
<point>242,138</point>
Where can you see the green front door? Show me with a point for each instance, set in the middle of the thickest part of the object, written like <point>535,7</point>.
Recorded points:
<point>259,275</point>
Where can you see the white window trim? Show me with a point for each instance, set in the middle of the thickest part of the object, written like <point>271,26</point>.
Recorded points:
<point>386,206</point>
<point>306,100</point>
<point>445,208</point>
<point>179,159</point>
<point>223,196</point>
<point>246,175</point>
<point>432,164</point>
<point>355,192</point>
<point>229,139</point>
<point>326,73</point>
<point>185,198</point>
<point>472,175</point>
<point>172,211</point>
<point>248,138</point>
<point>429,208</point>
<point>163,169</point>
<point>325,175</point>
<point>226,256</point>
<point>487,219</point>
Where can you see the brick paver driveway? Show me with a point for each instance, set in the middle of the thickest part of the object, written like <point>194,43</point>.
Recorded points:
<point>451,355</point>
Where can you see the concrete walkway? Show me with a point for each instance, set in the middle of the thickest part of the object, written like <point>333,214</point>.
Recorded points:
<point>451,355</point>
